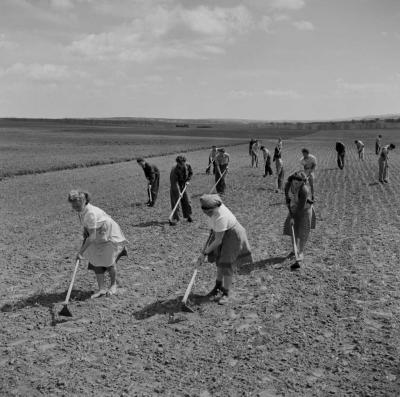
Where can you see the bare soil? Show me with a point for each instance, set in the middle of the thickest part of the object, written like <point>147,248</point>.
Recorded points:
<point>331,328</point>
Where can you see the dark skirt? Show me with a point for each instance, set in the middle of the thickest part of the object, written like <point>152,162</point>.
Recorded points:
<point>234,249</point>
<point>304,221</point>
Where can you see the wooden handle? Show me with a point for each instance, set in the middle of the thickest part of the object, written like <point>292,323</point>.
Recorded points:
<point>177,203</point>
<point>294,244</point>
<point>189,287</point>
<point>72,283</point>
<point>216,183</point>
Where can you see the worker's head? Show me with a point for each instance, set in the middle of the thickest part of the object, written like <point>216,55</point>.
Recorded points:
<point>305,152</point>
<point>392,146</point>
<point>141,162</point>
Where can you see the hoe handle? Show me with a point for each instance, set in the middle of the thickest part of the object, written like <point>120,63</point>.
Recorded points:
<point>72,283</point>
<point>177,203</point>
<point>219,179</point>
<point>296,254</point>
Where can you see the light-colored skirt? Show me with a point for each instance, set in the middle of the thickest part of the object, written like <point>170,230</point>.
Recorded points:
<point>109,242</point>
<point>234,249</point>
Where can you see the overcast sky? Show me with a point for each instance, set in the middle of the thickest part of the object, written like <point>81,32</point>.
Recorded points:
<point>252,59</point>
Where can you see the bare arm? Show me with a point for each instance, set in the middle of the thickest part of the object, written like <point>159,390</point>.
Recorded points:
<point>215,244</point>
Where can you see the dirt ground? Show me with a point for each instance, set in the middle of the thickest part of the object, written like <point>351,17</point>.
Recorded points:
<point>331,328</point>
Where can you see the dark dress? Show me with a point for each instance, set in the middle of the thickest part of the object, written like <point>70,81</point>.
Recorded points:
<point>178,178</point>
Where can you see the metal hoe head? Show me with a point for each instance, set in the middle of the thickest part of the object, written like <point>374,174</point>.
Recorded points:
<point>65,312</point>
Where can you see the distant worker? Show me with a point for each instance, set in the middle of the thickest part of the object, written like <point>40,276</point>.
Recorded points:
<point>152,174</point>
<point>251,143</point>
<point>301,214</point>
<point>341,152</point>
<point>254,154</point>
<point>378,144</point>
<point>309,163</point>
<point>360,149</point>
<point>383,163</point>
<point>267,161</point>
<point>279,165</point>
<point>211,159</point>
<point>179,178</point>
<point>221,169</point>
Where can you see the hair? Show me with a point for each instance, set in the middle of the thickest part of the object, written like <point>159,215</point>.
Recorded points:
<point>305,150</point>
<point>297,175</point>
<point>392,146</point>
<point>221,149</point>
<point>140,160</point>
<point>180,159</point>
<point>81,196</point>
<point>380,136</point>
<point>262,147</point>
<point>355,141</point>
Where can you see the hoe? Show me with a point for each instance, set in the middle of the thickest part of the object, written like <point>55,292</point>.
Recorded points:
<point>65,311</point>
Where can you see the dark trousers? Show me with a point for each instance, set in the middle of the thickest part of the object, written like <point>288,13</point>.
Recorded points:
<point>221,185</point>
<point>154,189</point>
<point>268,169</point>
<point>377,148</point>
<point>281,176</point>
<point>340,160</point>
<point>185,202</point>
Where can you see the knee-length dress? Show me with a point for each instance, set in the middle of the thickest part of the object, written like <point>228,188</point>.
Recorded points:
<point>109,241</point>
<point>235,248</point>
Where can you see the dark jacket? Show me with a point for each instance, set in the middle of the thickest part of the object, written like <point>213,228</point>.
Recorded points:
<point>340,148</point>
<point>180,175</point>
<point>150,172</point>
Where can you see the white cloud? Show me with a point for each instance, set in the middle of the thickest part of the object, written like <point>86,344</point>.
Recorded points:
<point>62,4</point>
<point>344,87</point>
<point>6,44</point>
<point>279,93</point>
<point>265,23</point>
<point>168,33</point>
<point>39,72</point>
<point>274,93</point>
<point>288,4</point>
<point>304,25</point>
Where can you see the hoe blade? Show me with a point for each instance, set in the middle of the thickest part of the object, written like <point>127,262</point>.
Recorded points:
<point>65,312</point>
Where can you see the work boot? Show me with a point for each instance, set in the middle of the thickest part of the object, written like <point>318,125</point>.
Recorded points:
<point>225,297</point>
<point>213,294</point>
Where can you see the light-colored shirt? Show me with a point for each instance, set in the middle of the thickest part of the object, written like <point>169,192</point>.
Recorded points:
<point>266,153</point>
<point>92,217</point>
<point>360,145</point>
<point>309,163</point>
<point>222,219</point>
<point>221,158</point>
<point>384,155</point>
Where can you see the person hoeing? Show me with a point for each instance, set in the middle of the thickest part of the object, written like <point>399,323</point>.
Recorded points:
<point>228,245</point>
<point>103,241</point>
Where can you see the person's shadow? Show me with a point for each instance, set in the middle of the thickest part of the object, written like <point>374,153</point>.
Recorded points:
<point>171,306</point>
<point>249,267</point>
<point>46,300</point>
<point>151,223</point>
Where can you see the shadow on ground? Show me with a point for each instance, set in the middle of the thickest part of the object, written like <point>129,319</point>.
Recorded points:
<point>170,306</point>
<point>249,267</point>
<point>46,300</point>
<point>151,223</point>
<point>138,204</point>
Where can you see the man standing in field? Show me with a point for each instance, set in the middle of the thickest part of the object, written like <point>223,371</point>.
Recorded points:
<point>254,154</point>
<point>383,163</point>
<point>378,144</point>
<point>179,178</point>
<point>267,161</point>
<point>309,162</point>
<point>279,164</point>
<point>211,159</point>
<point>360,149</point>
<point>152,174</point>
<point>221,168</point>
<point>341,151</point>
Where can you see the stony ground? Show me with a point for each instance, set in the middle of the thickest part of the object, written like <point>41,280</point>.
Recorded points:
<point>331,328</point>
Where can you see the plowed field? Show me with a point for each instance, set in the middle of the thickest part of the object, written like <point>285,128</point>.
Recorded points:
<point>331,328</point>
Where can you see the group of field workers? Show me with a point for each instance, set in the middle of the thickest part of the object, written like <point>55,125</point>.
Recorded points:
<point>227,245</point>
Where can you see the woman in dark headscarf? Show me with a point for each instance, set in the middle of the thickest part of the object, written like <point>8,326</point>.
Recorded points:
<point>301,213</point>
<point>228,245</point>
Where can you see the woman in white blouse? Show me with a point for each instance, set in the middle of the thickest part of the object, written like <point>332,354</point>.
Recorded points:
<point>103,242</point>
<point>228,246</point>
